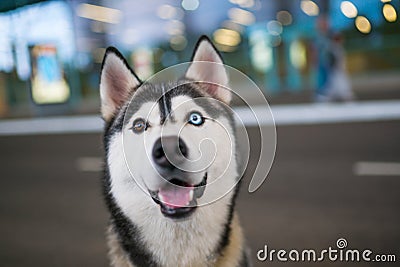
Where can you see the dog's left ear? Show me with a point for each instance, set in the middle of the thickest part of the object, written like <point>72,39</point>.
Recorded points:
<point>213,75</point>
<point>117,82</point>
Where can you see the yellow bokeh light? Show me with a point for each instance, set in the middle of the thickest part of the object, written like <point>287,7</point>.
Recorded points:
<point>348,9</point>
<point>363,24</point>
<point>309,7</point>
<point>227,37</point>
<point>99,13</point>
<point>298,54</point>
<point>241,16</point>
<point>389,13</point>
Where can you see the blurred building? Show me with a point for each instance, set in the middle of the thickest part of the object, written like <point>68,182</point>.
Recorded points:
<point>51,51</point>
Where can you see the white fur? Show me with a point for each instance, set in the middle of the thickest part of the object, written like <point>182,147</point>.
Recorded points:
<point>185,243</point>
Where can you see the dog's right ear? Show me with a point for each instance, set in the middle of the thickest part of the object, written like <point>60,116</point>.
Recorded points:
<point>117,82</point>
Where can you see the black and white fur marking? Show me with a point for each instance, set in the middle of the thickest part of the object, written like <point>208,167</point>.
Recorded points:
<point>139,233</point>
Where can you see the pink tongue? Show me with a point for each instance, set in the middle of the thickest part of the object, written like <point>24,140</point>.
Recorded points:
<point>175,196</point>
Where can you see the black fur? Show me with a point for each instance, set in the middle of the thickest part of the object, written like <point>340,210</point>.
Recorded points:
<point>244,261</point>
<point>204,38</point>
<point>224,241</point>
<point>127,233</point>
<point>164,104</point>
<point>154,93</point>
<point>115,51</point>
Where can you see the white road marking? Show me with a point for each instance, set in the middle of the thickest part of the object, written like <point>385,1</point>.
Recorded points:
<point>89,164</point>
<point>53,125</point>
<point>364,168</point>
<point>299,114</point>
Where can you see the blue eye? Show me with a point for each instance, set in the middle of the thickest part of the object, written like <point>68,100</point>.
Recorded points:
<point>196,119</point>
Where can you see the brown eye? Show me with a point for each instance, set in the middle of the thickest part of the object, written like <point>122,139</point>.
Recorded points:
<point>139,126</point>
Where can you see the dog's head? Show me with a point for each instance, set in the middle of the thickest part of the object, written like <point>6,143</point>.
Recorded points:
<point>175,138</point>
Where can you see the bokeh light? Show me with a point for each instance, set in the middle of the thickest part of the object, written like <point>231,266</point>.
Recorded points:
<point>190,4</point>
<point>348,9</point>
<point>389,13</point>
<point>227,37</point>
<point>309,7</point>
<point>241,16</point>
<point>284,17</point>
<point>363,24</point>
<point>274,27</point>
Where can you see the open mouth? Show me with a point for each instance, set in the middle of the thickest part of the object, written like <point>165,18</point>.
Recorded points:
<point>178,199</point>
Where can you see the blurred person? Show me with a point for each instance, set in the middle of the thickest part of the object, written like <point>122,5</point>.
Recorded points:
<point>333,83</point>
<point>322,51</point>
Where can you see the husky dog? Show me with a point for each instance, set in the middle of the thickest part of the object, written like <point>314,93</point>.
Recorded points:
<point>164,225</point>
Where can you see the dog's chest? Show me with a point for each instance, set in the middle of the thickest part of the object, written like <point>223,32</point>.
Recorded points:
<point>187,244</point>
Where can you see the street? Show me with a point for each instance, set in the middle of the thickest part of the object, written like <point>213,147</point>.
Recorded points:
<point>52,213</point>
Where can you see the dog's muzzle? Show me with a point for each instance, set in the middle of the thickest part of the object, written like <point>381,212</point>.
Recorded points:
<point>178,199</point>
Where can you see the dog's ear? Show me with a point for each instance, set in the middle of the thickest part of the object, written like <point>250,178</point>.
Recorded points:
<point>117,82</point>
<point>213,75</point>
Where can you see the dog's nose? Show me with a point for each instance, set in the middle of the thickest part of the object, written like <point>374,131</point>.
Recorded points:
<point>169,151</point>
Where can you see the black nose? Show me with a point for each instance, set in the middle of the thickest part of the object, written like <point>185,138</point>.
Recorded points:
<point>169,152</point>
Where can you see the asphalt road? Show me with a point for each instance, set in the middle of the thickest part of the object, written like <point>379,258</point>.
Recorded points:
<point>52,214</point>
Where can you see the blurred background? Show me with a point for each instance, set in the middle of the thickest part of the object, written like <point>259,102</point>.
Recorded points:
<point>51,51</point>
<point>329,68</point>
